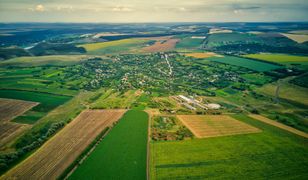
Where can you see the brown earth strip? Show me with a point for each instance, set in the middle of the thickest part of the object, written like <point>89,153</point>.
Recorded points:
<point>60,151</point>
<point>279,125</point>
<point>11,108</point>
<point>161,46</point>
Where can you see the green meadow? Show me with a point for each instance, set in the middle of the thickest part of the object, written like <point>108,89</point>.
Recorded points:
<point>122,154</point>
<point>271,154</point>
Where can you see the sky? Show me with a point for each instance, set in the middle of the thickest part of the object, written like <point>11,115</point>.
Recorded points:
<point>135,11</point>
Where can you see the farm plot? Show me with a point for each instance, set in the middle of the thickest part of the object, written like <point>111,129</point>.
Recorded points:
<point>118,46</point>
<point>215,125</point>
<point>123,152</point>
<point>9,131</point>
<point>161,46</point>
<point>10,108</point>
<point>47,102</point>
<point>54,60</point>
<point>271,154</point>
<point>279,58</point>
<point>299,38</point>
<point>60,151</point>
<point>203,55</point>
<point>246,63</point>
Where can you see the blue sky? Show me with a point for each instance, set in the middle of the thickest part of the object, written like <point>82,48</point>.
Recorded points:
<point>153,10</point>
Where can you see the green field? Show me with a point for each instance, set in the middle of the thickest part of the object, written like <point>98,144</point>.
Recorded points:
<point>271,154</point>
<point>220,39</point>
<point>122,153</point>
<point>189,43</point>
<point>246,63</point>
<point>118,46</point>
<point>47,103</point>
<point>114,100</point>
<point>287,91</point>
<point>54,60</point>
<point>279,58</point>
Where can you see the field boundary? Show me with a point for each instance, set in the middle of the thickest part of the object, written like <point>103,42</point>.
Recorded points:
<point>278,125</point>
<point>148,146</point>
<point>86,154</point>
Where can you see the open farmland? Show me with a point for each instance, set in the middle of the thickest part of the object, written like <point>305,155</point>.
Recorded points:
<point>202,55</point>
<point>118,46</point>
<point>62,149</point>
<point>55,60</point>
<point>271,154</point>
<point>279,125</point>
<point>246,63</point>
<point>47,102</point>
<point>279,58</point>
<point>161,46</point>
<point>189,42</point>
<point>11,108</point>
<point>123,152</point>
<point>111,99</point>
<point>215,125</point>
<point>10,130</point>
<point>286,91</point>
<point>299,38</point>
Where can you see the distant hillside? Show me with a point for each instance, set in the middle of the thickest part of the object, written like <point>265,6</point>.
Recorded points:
<point>54,49</point>
<point>11,52</point>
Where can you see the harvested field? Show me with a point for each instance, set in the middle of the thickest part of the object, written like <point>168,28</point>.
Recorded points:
<point>279,125</point>
<point>9,130</point>
<point>215,125</point>
<point>11,108</point>
<point>60,151</point>
<point>299,38</point>
<point>202,55</point>
<point>161,46</point>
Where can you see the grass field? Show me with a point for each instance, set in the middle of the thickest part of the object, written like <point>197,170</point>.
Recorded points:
<point>188,42</point>
<point>122,153</point>
<point>215,125</point>
<point>60,151</point>
<point>287,91</point>
<point>124,45</point>
<point>40,79</point>
<point>271,154</point>
<point>56,60</point>
<point>47,103</point>
<point>279,58</point>
<point>111,99</point>
<point>246,63</point>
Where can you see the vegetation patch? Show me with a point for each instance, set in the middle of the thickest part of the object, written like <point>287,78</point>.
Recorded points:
<point>279,58</point>
<point>124,149</point>
<point>60,151</point>
<point>168,128</point>
<point>246,63</point>
<point>233,157</point>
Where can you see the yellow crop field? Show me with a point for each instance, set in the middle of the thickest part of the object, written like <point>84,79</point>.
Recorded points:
<point>215,125</point>
<point>96,46</point>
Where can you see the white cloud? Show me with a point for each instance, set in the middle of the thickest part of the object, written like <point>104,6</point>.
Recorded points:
<point>121,9</point>
<point>39,8</point>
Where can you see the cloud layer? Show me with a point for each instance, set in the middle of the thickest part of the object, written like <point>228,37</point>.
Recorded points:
<point>152,11</point>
